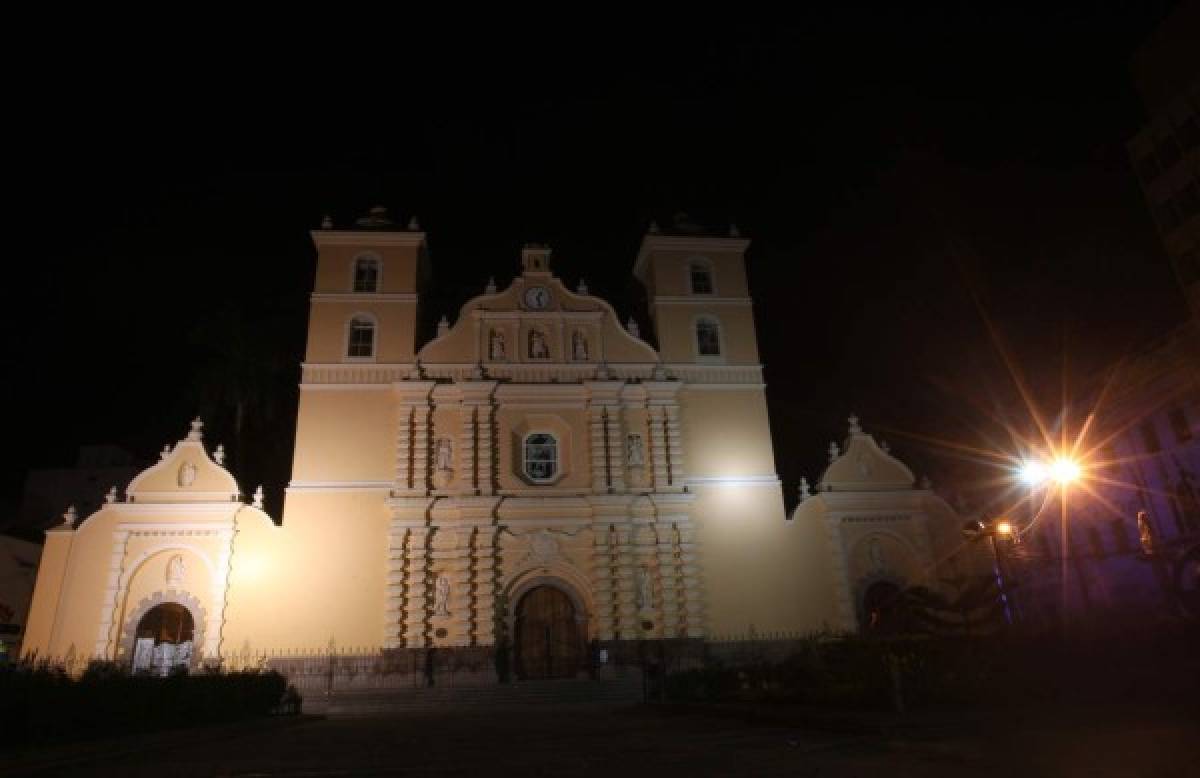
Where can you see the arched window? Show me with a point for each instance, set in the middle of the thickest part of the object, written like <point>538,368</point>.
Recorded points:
<point>366,274</point>
<point>708,337</point>
<point>360,340</point>
<point>700,278</point>
<point>541,456</point>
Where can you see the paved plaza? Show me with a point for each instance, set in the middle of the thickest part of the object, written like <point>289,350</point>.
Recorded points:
<point>589,741</point>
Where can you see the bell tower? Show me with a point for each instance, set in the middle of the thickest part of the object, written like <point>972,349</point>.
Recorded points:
<point>699,300</point>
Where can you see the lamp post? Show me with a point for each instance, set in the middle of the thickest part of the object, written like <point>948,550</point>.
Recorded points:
<point>1062,470</point>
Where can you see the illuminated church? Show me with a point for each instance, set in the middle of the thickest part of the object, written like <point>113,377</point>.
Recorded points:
<point>538,474</point>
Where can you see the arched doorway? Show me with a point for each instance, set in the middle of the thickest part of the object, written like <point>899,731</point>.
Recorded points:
<point>883,612</point>
<point>548,636</point>
<point>163,640</point>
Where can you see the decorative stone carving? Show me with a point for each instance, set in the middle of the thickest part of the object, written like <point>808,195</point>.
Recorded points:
<point>579,347</point>
<point>443,459</point>
<point>635,455</point>
<point>633,328</point>
<point>70,517</point>
<point>441,597</point>
<point>197,432</point>
<point>543,547</point>
<point>496,351</point>
<point>477,372</point>
<point>603,373</point>
<point>645,591</point>
<point>491,286</point>
<point>834,452</point>
<point>111,497</point>
<point>855,429</point>
<point>219,454</point>
<point>443,326</point>
<point>875,554</point>
<point>187,475</point>
<point>258,497</point>
<point>658,372</point>
<point>166,452</point>
<point>537,345</point>
<point>582,287</point>
<point>805,490</point>
<point>175,571</point>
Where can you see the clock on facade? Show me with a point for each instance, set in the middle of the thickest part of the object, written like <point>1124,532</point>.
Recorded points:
<point>537,298</point>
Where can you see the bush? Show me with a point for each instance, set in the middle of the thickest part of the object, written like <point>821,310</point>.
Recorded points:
<point>41,702</point>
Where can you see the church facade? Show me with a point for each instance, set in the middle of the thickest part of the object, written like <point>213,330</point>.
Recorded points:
<point>536,474</point>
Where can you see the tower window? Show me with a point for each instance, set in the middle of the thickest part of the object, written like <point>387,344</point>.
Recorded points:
<point>708,337</point>
<point>366,274</point>
<point>541,456</point>
<point>361,339</point>
<point>700,277</point>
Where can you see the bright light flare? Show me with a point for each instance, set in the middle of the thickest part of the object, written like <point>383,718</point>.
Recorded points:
<point>1033,472</point>
<point>1065,470</point>
<point>1004,527</point>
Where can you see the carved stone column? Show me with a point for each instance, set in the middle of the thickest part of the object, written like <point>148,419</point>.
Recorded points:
<point>451,568</point>
<point>112,591</point>
<point>484,574</point>
<point>665,429</point>
<point>465,464</point>
<point>675,471</point>
<point>658,448</point>
<point>413,438</point>
<point>624,583</point>
<point>599,449</point>
<point>486,460</point>
<point>679,554</point>
<point>666,537</point>
<point>416,588</point>
<point>647,592</point>
<point>616,449</point>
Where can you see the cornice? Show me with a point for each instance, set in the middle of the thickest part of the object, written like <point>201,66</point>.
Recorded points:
<point>701,243</point>
<point>361,297</point>
<point>367,238</point>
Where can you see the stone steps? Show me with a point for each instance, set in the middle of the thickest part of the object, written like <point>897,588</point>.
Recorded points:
<point>623,690</point>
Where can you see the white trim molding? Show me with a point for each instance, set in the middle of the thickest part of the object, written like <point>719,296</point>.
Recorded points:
<point>339,486</point>
<point>705,480</point>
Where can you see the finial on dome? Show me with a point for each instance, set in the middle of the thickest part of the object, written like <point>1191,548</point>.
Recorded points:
<point>326,222</point>
<point>219,454</point>
<point>258,497</point>
<point>166,452</point>
<point>581,287</point>
<point>197,432</point>
<point>414,225</point>
<point>805,491</point>
<point>111,497</point>
<point>70,517</point>
<point>633,327</point>
<point>834,451</point>
<point>491,285</point>
<point>855,429</point>
<point>443,326</point>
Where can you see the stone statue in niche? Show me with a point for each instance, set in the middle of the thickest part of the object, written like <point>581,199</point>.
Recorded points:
<point>443,458</point>
<point>537,345</point>
<point>496,346</point>
<point>644,593</point>
<point>635,455</point>
<point>441,597</point>
<point>875,554</point>
<point>579,348</point>
<point>175,571</point>
<point>187,474</point>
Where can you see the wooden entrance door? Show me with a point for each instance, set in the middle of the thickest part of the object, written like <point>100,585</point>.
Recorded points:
<point>548,639</point>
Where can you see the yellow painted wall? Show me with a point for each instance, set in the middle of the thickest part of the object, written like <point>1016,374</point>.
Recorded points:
<point>46,592</point>
<point>346,435</point>
<point>726,433</point>
<point>328,330</point>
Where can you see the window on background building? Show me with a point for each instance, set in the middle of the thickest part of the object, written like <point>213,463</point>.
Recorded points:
<point>1150,437</point>
<point>361,339</point>
<point>700,275</point>
<point>541,456</point>
<point>1179,425</point>
<point>366,274</point>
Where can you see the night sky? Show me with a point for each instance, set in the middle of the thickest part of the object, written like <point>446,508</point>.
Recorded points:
<point>903,176</point>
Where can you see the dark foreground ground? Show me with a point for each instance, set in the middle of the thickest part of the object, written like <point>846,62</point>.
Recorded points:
<point>654,741</point>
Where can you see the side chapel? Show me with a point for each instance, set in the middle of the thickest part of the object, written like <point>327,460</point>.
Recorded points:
<point>537,472</point>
